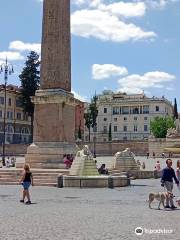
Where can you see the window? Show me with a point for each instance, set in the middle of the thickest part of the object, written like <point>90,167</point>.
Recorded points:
<point>9,129</point>
<point>125,128</point>
<point>145,128</point>
<point>105,129</point>
<point>115,119</point>
<point>145,118</point>
<point>18,103</point>
<point>105,119</point>
<point>9,115</point>
<point>19,116</point>
<point>135,118</point>
<point>9,102</point>
<point>135,128</point>
<point>25,117</point>
<point>0,114</point>
<point>1,100</point>
<point>115,110</point>
<point>125,118</point>
<point>104,140</point>
<point>125,110</point>
<point>115,128</point>
<point>105,110</point>
<point>145,109</point>
<point>25,130</point>
<point>135,110</point>
<point>157,108</point>
<point>125,138</point>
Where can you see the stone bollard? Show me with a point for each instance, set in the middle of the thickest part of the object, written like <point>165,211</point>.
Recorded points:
<point>110,182</point>
<point>60,181</point>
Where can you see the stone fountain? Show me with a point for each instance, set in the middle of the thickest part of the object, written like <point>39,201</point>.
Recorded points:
<point>84,173</point>
<point>173,139</point>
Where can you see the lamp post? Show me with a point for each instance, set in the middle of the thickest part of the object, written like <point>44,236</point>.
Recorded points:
<point>8,70</point>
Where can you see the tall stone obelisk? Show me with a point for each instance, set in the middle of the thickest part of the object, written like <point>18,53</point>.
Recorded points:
<point>54,118</point>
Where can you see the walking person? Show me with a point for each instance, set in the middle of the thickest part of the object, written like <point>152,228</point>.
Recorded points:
<point>26,181</point>
<point>168,175</point>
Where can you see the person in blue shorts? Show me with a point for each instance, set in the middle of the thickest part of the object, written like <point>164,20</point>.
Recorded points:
<point>26,181</point>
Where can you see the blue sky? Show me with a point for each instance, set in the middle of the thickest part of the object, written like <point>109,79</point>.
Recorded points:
<point>119,45</point>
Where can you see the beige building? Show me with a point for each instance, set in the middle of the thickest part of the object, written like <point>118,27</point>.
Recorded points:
<point>17,122</point>
<point>128,115</point>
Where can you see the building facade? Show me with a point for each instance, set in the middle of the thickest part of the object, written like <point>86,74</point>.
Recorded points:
<point>127,117</point>
<point>18,124</point>
<point>79,121</point>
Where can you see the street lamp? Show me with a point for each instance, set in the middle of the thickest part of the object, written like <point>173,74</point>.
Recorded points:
<point>8,70</point>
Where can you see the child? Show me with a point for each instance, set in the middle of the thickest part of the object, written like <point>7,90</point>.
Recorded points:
<point>26,181</point>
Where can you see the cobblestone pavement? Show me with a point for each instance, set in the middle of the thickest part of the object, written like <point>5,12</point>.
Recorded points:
<point>85,214</point>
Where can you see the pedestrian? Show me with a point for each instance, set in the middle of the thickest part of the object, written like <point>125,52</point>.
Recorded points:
<point>143,165</point>
<point>138,163</point>
<point>67,161</point>
<point>103,169</point>
<point>158,166</point>
<point>154,155</point>
<point>168,175</point>
<point>26,181</point>
<point>147,154</point>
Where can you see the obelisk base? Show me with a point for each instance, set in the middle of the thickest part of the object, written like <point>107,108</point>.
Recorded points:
<point>49,155</point>
<point>54,129</point>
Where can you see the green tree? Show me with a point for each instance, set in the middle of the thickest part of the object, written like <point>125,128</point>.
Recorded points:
<point>88,122</point>
<point>30,80</point>
<point>110,133</point>
<point>159,126</point>
<point>93,111</point>
<point>175,109</point>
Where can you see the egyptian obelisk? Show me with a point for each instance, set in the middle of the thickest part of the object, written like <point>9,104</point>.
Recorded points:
<point>54,117</point>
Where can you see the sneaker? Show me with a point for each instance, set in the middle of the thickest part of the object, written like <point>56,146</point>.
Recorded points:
<point>167,206</point>
<point>28,202</point>
<point>173,207</point>
<point>22,201</point>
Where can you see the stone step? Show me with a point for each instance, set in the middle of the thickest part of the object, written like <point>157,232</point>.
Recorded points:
<point>41,177</point>
<point>34,170</point>
<point>53,184</point>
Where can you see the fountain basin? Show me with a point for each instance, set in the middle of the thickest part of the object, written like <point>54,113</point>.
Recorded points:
<point>102,181</point>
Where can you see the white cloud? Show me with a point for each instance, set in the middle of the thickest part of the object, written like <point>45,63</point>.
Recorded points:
<point>79,97</point>
<point>90,3</point>
<point>133,9</point>
<point>136,83</point>
<point>104,26</point>
<point>21,46</point>
<point>107,71</point>
<point>11,56</point>
<point>159,4</point>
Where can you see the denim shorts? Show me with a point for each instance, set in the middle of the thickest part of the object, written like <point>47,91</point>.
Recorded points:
<point>26,185</point>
